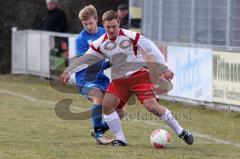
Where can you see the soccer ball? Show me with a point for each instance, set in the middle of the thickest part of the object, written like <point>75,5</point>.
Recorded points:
<point>160,138</point>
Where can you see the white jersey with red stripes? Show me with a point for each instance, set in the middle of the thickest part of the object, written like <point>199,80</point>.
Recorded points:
<point>122,52</point>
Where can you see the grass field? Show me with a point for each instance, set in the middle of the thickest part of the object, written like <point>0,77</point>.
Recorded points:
<point>30,129</point>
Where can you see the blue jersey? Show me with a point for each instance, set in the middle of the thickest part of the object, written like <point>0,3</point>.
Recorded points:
<point>93,73</point>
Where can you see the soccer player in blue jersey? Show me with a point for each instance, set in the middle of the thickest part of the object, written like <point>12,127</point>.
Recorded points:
<point>91,81</point>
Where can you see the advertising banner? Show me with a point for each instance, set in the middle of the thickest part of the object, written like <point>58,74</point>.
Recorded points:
<point>226,77</point>
<point>193,72</point>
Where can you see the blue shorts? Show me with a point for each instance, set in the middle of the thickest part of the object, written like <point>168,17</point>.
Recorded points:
<point>84,88</point>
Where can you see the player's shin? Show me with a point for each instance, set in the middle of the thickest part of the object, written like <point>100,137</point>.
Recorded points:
<point>105,127</point>
<point>114,124</point>
<point>97,120</point>
<point>169,119</point>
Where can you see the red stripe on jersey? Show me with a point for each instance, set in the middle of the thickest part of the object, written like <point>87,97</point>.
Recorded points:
<point>96,50</point>
<point>134,42</point>
<point>105,37</point>
<point>121,33</point>
<point>135,50</point>
<point>137,38</point>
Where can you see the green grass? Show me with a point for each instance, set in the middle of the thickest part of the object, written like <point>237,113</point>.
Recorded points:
<point>30,129</point>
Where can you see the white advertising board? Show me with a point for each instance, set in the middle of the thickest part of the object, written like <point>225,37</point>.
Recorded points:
<point>193,72</point>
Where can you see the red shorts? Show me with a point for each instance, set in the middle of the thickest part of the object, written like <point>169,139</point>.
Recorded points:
<point>138,83</point>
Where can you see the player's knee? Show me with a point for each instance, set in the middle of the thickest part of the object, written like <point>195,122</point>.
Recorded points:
<point>109,105</point>
<point>96,93</point>
<point>97,101</point>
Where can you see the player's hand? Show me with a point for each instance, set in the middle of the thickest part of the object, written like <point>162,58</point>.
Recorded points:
<point>168,75</point>
<point>64,78</point>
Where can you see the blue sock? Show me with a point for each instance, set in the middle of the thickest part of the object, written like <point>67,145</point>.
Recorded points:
<point>105,127</point>
<point>97,120</point>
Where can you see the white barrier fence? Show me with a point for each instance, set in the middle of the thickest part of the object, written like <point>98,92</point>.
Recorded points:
<point>31,51</point>
<point>203,76</point>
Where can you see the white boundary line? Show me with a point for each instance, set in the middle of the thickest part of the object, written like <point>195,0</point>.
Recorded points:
<point>203,136</point>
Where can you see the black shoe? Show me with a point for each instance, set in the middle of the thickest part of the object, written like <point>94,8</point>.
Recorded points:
<point>117,143</point>
<point>187,137</point>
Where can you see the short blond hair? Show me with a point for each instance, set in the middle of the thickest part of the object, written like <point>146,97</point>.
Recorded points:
<point>110,15</point>
<point>87,12</point>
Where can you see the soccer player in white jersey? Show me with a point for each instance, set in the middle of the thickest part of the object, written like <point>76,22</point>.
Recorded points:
<point>129,74</point>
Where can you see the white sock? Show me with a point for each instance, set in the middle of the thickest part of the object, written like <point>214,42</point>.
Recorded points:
<point>168,118</point>
<point>114,124</point>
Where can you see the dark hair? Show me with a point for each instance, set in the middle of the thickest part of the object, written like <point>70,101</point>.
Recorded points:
<point>110,15</point>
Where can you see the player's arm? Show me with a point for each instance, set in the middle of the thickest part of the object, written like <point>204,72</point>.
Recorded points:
<point>150,49</point>
<point>154,58</point>
<point>80,63</point>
